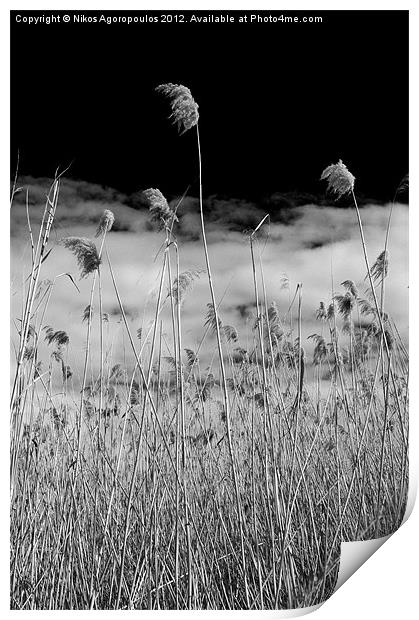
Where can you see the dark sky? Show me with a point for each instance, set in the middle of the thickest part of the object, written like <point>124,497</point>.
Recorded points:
<point>278,102</point>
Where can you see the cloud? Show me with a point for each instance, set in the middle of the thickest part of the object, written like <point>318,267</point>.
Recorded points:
<point>319,247</point>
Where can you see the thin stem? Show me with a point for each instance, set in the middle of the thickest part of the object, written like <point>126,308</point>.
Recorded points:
<point>223,372</point>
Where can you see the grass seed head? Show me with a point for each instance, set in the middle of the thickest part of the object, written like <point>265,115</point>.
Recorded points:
<point>379,269</point>
<point>351,287</point>
<point>320,349</point>
<point>230,333</point>
<point>321,312</point>
<point>86,253</point>
<point>29,352</point>
<point>274,326</point>
<point>404,185</point>
<point>184,108</point>
<point>59,337</point>
<point>191,357</point>
<point>366,308</point>
<point>211,318</point>
<point>183,284</point>
<point>66,371</point>
<point>87,313</point>
<point>105,223</point>
<point>330,312</point>
<point>159,209</point>
<point>345,304</point>
<point>339,180</point>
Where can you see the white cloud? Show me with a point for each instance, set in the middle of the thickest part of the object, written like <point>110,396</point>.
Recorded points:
<point>323,242</point>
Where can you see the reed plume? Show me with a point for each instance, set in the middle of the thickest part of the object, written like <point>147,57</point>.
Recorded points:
<point>339,180</point>
<point>320,349</point>
<point>230,333</point>
<point>212,319</point>
<point>59,337</point>
<point>191,357</point>
<point>105,223</point>
<point>87,313</point>
<point>403,186</point>
<point>274,322</point>
<point>350,287</point>
<point>321,312</point>
<point>159,209</point>
<point>183,284</point>
<point>345,304</point>
<point>85,252</point>
<point>379,269</point>
<point>184,108</point>
<point>330,312</point>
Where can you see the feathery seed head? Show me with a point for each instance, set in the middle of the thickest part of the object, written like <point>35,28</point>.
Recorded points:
<point>211,318</point>
<point>345,304</point>
<point>330,311</point>
<point>87,313</point>
<point>273,312</point>
<point>184,108</point>
<point>117,373</point>
<point>105,223</point>
<point>320,349</point>
<point>29,352</point>
<point>57,355</point>
<point>66,371</point>
<point>159,209</point>
<point>321,312</point>
<point>59,338</point>
<point>183,284</point>
<point>404,185</point>
<point>351,287</point>
<point>192,357</point>
<point>230,333</point>
<point>86,253</point>
<point>379,269</point>
<point>367,308</point>
<point>274,323</point>
<point>339,180</point>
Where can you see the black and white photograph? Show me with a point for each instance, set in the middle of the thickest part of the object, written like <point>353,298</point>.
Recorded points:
<point>209,291</point>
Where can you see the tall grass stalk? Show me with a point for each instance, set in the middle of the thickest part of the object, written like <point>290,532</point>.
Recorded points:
<point>222,368</point>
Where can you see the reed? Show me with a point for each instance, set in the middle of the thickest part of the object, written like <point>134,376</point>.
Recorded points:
<point>212,477</point>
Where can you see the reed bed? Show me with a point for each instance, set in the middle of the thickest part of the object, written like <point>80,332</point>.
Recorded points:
<point>170,483</point>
